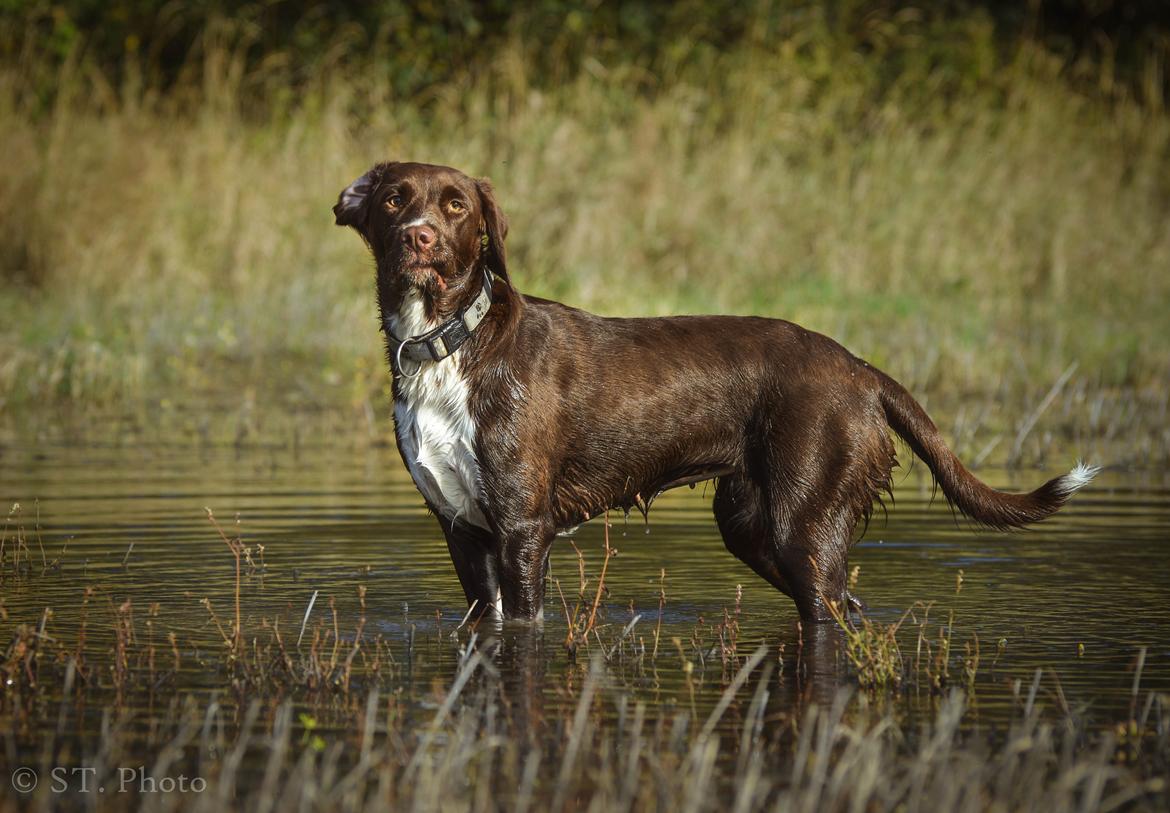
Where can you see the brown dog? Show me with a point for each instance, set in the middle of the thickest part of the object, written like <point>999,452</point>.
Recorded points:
<point>519,417</point>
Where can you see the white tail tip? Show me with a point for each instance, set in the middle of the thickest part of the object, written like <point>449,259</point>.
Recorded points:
<point>1081,475</point>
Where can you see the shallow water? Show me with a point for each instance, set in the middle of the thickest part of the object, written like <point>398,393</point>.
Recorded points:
<point>1080,596</point>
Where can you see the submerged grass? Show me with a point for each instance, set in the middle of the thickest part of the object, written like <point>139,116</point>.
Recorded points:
<point>239,717</point>
<point>972,239</point>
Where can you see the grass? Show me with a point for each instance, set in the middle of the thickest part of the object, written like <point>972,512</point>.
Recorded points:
<point>835,758</point>
<point>874,649</point>
<point>345,720</point>
<point>973,240</point>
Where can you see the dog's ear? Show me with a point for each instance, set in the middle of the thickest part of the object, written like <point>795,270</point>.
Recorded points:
<point>495,229</point>
<point>353,204</point>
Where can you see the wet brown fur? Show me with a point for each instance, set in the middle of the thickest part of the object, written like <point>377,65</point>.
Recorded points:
<point>578,413</point>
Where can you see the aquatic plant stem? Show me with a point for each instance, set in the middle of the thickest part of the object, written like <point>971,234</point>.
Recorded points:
<point>609,552</point>
<point>234,546</point>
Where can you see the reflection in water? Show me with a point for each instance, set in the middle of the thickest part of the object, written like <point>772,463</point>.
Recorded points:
<point>519,653</point>
<point>820,665</point>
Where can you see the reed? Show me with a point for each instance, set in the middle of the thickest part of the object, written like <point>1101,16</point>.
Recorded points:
<point>265,751</point>
<point>331,726</point>
<point>974,243</point>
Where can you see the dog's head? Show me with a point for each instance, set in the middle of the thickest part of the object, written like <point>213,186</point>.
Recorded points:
<point>429,227</point>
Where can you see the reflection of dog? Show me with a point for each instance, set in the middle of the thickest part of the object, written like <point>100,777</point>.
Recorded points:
<point>519,417</point>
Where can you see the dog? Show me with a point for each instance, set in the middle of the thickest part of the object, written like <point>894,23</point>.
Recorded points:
<point>520,418</point>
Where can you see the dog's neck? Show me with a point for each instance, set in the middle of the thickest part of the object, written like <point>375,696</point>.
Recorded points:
<point>412,317</point>
<point>415,338</point>
<point>411,310</point>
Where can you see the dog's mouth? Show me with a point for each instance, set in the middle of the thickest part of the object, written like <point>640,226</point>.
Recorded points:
<point>423,272</point>
<point>426,275</point>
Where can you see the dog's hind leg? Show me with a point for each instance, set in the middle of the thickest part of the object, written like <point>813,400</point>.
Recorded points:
<point>817,509</point>
<point>814,560</point>
<point>791,513</point>
<point>804,559</point>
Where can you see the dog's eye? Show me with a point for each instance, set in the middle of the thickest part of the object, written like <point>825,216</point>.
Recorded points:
<point>457,206</point>
<point>394,202</point>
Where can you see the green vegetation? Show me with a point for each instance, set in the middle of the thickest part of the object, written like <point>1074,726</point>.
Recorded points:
<point>972,215</point>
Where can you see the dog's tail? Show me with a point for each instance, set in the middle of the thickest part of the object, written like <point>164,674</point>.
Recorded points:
<point>982,503</point>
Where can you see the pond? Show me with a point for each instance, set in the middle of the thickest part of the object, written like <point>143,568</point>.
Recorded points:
<point>339,545</point>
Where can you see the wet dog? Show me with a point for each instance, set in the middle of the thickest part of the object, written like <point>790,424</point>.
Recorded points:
<point>519,417</point>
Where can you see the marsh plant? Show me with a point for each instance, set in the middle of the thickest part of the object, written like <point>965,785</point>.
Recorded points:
<point>330,717</point>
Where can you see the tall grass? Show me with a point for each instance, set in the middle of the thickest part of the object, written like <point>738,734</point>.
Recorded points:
<point>840,757</point>
<point>969,236</point>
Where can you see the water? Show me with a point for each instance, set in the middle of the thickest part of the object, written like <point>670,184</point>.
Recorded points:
<point>123,511</point>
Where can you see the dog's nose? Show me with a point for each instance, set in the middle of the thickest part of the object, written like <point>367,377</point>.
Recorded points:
<point>420,238</point>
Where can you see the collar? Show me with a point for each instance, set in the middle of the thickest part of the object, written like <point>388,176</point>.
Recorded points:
<point>440,342</point>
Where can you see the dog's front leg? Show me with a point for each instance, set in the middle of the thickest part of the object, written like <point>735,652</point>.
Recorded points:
<point>473,552</point>
<point>523,559</point>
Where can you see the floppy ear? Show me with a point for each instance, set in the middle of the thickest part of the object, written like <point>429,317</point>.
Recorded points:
<point>496,228</point>
<point>352,208</point>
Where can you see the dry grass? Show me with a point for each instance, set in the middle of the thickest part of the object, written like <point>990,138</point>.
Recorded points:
<point>841,757</point>
<point>969,243</point>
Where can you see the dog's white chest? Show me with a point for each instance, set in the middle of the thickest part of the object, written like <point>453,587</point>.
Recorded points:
<point>437,434</point>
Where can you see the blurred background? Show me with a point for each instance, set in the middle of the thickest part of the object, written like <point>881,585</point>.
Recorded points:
<point>973,196</point>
